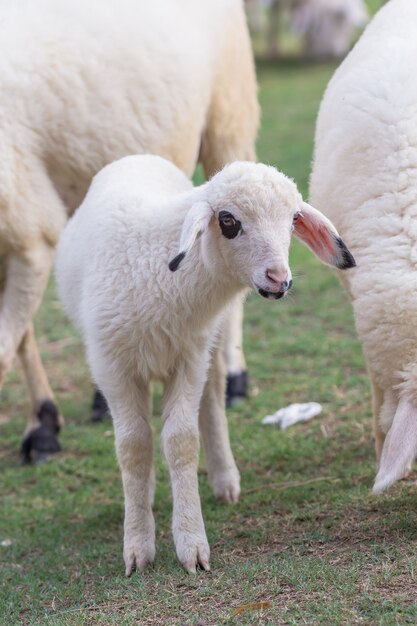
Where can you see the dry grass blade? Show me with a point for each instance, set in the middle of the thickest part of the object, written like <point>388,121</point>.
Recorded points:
<point>293,483</point>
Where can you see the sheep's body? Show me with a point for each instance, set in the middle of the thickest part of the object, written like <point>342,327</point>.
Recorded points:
<point>365,179</point>
<point>83,84</point>
<point>140,322</point>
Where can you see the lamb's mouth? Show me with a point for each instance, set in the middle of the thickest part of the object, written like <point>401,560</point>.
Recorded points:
<point>271,295</point>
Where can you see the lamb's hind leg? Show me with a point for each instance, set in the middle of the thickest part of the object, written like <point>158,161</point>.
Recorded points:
<point>130,406</point>
<point>221,467</point>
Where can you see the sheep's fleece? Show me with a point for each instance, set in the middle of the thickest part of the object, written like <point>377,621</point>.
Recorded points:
<point>83,83</point>
<point>140,321</point>
<point>365,179</point>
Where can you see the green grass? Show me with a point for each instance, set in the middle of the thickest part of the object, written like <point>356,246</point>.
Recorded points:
<point>307,537</point>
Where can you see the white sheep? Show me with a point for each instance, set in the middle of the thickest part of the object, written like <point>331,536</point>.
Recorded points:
<point>365,179</point>
<point>326,27</point>
<point>85,83</point>
<point>141,322</point>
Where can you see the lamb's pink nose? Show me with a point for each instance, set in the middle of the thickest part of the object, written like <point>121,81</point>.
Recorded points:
<point>280,278</point>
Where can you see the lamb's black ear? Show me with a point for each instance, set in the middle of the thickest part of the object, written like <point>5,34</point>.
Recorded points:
<point>196,221</point>
<point>175,263</point>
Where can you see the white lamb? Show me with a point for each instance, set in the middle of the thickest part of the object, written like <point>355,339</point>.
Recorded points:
<point>365,179</point>
<point>141,322</point>
<point>85,83</point>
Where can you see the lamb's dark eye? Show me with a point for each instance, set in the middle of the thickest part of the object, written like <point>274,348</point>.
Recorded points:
<point>230,225</point>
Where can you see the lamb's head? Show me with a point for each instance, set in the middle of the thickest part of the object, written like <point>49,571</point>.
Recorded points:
<point>245,216</point>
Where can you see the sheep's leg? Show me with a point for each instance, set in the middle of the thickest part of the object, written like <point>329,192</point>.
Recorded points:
<point>38,442</point>
<point>99,407</point>
<point>232,340</point>
<point>221,467</point>
<point>25,279</point>
<point>35,375</point>
<point>180,440</point>
<point>130,406</point>
<point>230,135</point>
<point>400,447</point>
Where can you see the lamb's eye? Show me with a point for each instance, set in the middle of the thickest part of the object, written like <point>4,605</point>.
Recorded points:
<point>229,225</point>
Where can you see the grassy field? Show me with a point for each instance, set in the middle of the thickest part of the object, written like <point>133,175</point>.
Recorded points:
<point>306,544</point>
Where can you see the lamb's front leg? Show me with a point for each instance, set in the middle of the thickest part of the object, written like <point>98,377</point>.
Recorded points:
<point>180,440</point>
<point>131,409</point>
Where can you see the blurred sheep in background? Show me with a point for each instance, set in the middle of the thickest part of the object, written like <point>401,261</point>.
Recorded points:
<point>324,28</point>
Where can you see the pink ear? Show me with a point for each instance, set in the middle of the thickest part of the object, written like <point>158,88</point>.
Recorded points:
<point>318,233</point>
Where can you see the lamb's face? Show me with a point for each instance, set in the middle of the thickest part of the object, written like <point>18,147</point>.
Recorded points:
<point>251,229</point>
<point>245,217</point>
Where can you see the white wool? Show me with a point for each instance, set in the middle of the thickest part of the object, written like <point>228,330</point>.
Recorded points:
<point>365,179</point>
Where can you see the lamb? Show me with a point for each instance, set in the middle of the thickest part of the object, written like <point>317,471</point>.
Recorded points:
<point>141,322</point>
<point>365,179</point>
<point>83,84</point>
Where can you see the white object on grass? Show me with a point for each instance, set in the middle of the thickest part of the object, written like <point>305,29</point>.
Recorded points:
<point>294,413</point>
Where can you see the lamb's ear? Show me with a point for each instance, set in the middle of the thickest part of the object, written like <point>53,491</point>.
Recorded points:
<point>196,221</point>
<point>319,234</point>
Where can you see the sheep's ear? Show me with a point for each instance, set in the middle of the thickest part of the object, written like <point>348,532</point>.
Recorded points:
<point>319,234</point>
<point>400,447</point>
<point>196,221</point>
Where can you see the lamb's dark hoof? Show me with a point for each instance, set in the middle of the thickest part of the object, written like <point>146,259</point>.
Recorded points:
<point>237,388</point>
<point>42,441</point>
<point>99,408</point>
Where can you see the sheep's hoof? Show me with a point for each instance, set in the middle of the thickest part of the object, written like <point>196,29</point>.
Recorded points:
<point>193,553</point>
<point>237,388</point>
<point>226,485</point>
<point>42,441</point>
<point>138,555</point>
<point>99,408</point>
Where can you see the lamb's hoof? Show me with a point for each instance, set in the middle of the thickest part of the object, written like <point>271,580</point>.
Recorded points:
<point>42,441</point>
<point>99,408</point>
<point>226,486</point>
<point>138,555</point>
<point>237,388</point>
<point>193,551</point>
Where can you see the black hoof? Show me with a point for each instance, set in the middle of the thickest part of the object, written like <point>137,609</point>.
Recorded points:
<point>99,408</point>
<point>237,388</point>
<point>42,441</point>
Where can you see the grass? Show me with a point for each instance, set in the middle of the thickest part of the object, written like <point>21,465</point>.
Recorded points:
<point>306,544</point>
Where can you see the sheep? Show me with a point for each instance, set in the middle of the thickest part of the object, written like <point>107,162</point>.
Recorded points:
<point>141,322</point>
<point>83,84</point>
<point>365,179</point>
<point>328,27</point>
<point>325,27</point>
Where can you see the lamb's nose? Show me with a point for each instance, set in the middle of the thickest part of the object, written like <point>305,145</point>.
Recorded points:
<point>280,279</point>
